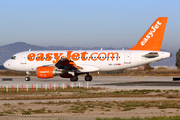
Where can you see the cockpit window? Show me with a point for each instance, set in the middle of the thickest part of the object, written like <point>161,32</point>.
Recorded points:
<point>13,57</point>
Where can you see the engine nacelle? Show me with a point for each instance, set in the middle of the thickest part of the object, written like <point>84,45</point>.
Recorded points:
<point>46,72</point>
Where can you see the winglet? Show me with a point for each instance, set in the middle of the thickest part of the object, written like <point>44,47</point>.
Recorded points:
<point>153,37</point>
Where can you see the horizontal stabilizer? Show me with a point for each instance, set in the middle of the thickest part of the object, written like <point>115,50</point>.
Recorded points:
<point>151,55</point>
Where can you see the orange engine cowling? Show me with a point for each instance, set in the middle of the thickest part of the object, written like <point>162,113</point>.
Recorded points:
<point>45,72</point>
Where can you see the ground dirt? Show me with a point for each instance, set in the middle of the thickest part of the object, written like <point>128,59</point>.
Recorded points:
<point>97,106</point>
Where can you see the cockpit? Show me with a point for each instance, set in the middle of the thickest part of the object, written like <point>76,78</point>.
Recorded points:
<point>13,57</point>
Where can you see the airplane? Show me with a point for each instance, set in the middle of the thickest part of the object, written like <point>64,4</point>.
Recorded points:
<point>70,64</point>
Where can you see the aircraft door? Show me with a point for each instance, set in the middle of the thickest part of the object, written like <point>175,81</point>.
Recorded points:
<point>23,59</point>
<point>127,58</point>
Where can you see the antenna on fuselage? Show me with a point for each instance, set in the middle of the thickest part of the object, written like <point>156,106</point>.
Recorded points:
<point>101,48</point>
<point>30,49</point>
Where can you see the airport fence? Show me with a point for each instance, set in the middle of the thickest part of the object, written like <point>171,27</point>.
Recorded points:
<point>18,117</point>
<point>37,87</point>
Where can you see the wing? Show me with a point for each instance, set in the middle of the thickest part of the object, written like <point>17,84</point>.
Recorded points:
<point>69,65</point>
<point>64,63</point>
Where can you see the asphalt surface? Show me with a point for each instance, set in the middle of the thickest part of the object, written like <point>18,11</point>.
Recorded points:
<point>116,82</point>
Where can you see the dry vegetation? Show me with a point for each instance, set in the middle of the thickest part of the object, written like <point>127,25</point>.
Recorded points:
<point>85,102</point>
<point>138,72</point>
<point>79,93</point>
<point>92,101</point>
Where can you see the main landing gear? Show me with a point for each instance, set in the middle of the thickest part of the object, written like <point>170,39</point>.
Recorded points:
<point>27,78</point>
<point>88,78</point>
<point>75,78</point>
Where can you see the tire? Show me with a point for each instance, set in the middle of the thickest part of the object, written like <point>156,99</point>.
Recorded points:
<point>27,78</point>
<point>74,78</point>
<point>88,78</point>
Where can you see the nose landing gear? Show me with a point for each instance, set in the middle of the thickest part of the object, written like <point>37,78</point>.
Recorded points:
<point>28,78</point>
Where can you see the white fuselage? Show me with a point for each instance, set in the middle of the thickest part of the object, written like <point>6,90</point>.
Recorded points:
<point>91,61</point>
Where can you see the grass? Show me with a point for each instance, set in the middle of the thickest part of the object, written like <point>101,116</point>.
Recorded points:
<point>1,114</point>
<point>6,104</point>
<point>20,103</point>
<point>59,112</point>
<point>153,72</point>
<point>8,112</point>
<point>39,110</point>
<point>14,73</point>
<point>26,112</point>
<point>146,118</point>
<point>138,72</point>
<point>81,107</point>
<point>85,93</point>
<point>128,108</point>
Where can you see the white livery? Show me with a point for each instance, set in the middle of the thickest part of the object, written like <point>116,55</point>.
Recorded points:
<point>70,64</point>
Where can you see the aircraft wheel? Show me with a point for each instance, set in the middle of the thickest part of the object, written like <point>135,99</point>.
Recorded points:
<point>27,79</point>
<point>74,78</point>
<point>88,78</point>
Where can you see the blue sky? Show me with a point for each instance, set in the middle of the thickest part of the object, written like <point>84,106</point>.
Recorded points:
<point>87,23</point>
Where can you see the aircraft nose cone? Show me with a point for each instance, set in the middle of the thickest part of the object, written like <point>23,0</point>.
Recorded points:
<point>6,65</point>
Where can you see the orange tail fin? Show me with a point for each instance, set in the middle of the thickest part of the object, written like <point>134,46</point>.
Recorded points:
<point>153,37</point>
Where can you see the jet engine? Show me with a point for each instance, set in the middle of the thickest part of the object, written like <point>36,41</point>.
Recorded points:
<point>47,72</point>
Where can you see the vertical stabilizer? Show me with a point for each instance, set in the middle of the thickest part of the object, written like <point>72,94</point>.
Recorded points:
<point>153,37</point>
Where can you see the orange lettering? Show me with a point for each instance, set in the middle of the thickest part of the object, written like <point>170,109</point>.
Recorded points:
<point>57,57</point>
<point>92,56</point>
<point>112,56</point>
<point>69,55</point>
<point>40,57</point>
<point>102,58</point>
<point>48,57</point>
<point>74,56</point>
<point>31,56</point>
<point>83,55</point>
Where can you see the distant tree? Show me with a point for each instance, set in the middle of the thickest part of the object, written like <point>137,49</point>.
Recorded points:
<point>148,67</point>
<point>178,59</point>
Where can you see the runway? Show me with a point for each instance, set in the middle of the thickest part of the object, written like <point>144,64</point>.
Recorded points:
<point>115,82</point>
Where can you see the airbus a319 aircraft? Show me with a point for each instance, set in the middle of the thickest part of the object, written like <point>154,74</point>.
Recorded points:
<point>70,64</point>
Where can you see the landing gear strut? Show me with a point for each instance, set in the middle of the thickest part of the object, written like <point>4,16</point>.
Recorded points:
<point>27,78</point>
